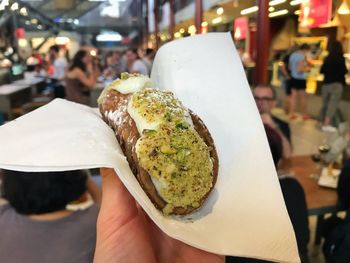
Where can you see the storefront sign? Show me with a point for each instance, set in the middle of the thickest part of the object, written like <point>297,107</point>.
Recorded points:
<point>241,27</point>
<point>20,32</point>
<point>315,13</point>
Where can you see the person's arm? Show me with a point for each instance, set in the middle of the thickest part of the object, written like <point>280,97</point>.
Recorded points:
<point>286,146</point>
<point>89,81</point>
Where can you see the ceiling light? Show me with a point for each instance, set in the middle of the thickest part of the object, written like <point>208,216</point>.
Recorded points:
<point>217,20</point>
<point>40,27</point>
<point>182,30</point>
<point>297,12</point>
<point>344,9</point>
<point>109,37</point>
<point>296,2</point>
<point>76,22</point>
<point>2,7</point>
<point>70,20</point>
<point>5,2</point>
<point>27,22</point>
<point>204,24</point>
<point>279,13</point>
<point>14,6</point>
<point>61,40</point>
<point>271,9</point>
<point>34,21</point>
<point>249,10</point>
<point>220,11</point>
<point>23,11</point>
<point>276,2</point>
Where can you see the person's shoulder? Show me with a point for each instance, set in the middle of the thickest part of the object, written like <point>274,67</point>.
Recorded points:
<point>5,208</point>
<point>279,121</point>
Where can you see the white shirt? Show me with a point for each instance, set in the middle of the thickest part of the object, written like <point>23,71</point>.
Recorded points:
<point>140,67</point>
<point>60,65</point>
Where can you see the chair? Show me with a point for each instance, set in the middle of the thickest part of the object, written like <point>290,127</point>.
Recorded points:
<point>294,198</point>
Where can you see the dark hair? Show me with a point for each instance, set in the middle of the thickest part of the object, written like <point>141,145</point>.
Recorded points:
<point>55,48</point>
<point>134,50</point>
<point>335,51</point>
<point>261,86</point>
<point>42,192</point>
<point>275,143</point>
<point>304,47</point>
<point>149,51</point>
<point>77,61</point>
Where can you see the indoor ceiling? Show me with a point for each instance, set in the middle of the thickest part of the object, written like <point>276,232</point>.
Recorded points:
<point>123,16</point>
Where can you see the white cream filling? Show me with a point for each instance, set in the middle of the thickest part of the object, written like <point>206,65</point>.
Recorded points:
<point>133,84</point>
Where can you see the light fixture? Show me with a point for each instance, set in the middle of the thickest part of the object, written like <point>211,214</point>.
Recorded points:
<point>2,7</point>
<point>220,11</point>
<point>23,11</point>
<point>182,30</point>
<point>296,2</point>
<point>109,37</point>
<point>276,2</point>
<point>204,24</point>
<point>279,13</point>
<point>27,22</point>
<point>249,10</point>
<point>76,21</point>
<point>34,21</point>
<point>344,8</point>
<point>70,20</point>
<point>297,12</point>
<point>217,20</point>
<point>5,2</point>
<point>177,35</point>
<point>93,53</point>
<point>271,9</point>
<point>22,42</point>
<point>14,6</point>
<point>61,40</point>
<point>192,30</point>
<point>40,27</point>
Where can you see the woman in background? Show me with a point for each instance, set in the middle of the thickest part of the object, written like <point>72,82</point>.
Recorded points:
<point>81,78</point>
<point>334,70</point>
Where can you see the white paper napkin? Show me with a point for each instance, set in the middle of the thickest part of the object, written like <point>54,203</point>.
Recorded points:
<point>245,215</point>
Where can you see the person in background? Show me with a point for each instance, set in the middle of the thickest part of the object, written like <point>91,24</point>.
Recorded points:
<point>81,78</point>
<point>294,198</point>
<point>287,83</point>
<point>59,64</point>
<point>265,99</point>
<point>108,71</point>
<point>334,70</point>
<point>299,66</point>
<point>36,225</point>
<point>126,234</point>
<point>148,58</point>
<point>135,64</point>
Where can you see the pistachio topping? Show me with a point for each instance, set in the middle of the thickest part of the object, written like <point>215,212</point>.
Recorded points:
<point>154,105</point>
<point>177,156</point>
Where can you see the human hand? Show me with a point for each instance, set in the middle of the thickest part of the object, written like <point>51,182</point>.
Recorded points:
<point>267,119</point>
<point>126,234</point>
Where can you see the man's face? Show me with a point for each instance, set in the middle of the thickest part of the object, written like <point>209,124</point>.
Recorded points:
<point>130,56</point>
<point>264,99</point>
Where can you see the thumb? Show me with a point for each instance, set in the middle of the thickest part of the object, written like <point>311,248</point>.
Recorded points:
<point>117,204</point>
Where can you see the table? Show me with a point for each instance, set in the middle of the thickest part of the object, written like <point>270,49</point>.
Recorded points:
<point>17,93</point>
<point>319,200</point>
